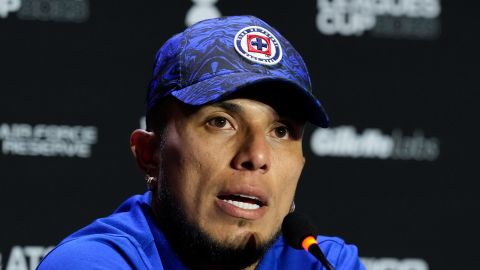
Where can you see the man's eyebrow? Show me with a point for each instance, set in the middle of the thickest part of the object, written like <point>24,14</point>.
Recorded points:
<point>232,107</point>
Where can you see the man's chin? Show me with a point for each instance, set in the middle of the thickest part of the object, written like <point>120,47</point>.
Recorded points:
<point>234,253</point>
<point>237,253</point>
<point>240,240</point>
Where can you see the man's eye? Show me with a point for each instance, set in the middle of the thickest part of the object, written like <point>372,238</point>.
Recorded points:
<point>219,122</point>
<point>281,132</point>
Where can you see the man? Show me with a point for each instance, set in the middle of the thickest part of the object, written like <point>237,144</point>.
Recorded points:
<point>222,155</point>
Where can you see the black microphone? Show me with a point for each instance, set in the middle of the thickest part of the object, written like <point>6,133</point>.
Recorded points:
<point>299,233</point>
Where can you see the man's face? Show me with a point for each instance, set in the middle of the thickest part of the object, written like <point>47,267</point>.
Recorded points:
<point>232,167</point>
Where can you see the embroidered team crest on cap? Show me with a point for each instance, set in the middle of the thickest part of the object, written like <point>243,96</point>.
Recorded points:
<point>257,44</point>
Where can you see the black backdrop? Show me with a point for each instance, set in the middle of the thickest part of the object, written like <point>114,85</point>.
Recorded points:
<point>395,174</point>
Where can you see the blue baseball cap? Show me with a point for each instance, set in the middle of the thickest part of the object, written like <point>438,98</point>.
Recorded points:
<point>214,58</point>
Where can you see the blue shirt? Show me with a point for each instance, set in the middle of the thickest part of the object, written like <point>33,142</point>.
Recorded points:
<point>130,239</point>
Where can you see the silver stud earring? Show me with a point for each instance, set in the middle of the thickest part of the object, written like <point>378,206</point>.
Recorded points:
<point>151,180</point>
<point>292,207</point>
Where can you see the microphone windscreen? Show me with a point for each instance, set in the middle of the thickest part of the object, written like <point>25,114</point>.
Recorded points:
<point>295,228</point>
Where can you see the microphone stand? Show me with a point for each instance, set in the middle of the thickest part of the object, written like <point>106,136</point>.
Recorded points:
<point>317,253</point>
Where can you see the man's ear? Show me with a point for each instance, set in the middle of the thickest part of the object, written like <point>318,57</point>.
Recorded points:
<point>143,145</point>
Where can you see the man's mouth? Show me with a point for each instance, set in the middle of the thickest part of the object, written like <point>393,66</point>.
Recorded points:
<point>246,202</point>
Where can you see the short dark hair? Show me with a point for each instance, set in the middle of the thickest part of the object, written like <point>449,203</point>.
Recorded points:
<point>157,117</point>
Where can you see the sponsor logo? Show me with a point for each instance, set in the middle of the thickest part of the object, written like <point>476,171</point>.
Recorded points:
<point>258,45</point>
<point>394,264</point>
<point>25,258</point>
<point>8,6</point>
<point>345,141</point>
<point>47,10</point>
<point>413,19</point>
<point>202,10</point>
<point>47,140</point>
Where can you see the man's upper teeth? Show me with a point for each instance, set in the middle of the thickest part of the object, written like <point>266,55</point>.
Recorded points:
<point>247,196</point>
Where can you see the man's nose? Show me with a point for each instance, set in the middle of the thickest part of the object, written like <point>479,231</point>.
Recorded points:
<point>253,153</point>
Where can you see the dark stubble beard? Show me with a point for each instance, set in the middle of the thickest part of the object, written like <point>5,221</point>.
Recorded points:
<point>196,248</point>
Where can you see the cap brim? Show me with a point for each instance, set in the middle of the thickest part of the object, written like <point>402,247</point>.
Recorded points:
<point>221,86</point>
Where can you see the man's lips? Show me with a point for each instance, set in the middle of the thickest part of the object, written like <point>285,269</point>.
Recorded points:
<point>243,201</point>
<point>247,205</point>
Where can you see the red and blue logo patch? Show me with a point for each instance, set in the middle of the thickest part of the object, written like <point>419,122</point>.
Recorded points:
<point>257,44</point>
